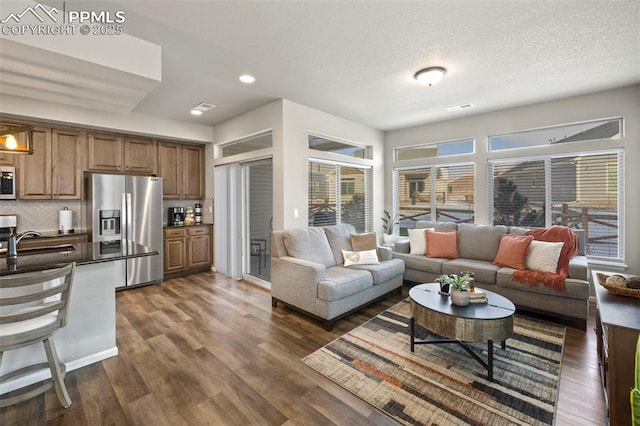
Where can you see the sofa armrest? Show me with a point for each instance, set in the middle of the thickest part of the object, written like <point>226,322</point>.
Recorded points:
<point>384,253</point>
<point>579,268</point>
<point>295,281</point>
<point>401,247</point>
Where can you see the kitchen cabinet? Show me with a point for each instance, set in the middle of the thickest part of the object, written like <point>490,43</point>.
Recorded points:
<point>105,152</point>
<point>7,159</point>
<point>114,153</point>
<point>187,250</point>
<point>193,176</point>
<point>170,169</point>
<point>175,253</point>
<point>54,170</point>
<point>199,247</point>
<point>181,167</point>
<point>140,155</point>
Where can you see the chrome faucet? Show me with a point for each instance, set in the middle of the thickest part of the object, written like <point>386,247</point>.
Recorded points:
<point>14,240</point>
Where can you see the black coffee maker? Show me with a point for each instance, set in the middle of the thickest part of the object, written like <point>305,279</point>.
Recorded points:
<point>176,216</point>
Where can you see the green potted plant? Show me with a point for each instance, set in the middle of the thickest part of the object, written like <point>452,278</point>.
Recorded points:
<point>443,280</point>
<point>459,285</point>
<point>388,224</point>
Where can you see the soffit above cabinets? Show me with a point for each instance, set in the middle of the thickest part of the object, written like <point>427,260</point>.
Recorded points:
<point>113,75</point>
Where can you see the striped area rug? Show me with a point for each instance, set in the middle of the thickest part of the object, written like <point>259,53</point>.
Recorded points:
<point>441,384</point>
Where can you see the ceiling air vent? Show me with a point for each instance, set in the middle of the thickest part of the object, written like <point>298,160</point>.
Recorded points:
<point>203,106</point>
<point>460,107</point>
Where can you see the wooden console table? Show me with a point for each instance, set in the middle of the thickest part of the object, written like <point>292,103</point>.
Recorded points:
<point>617,329</point>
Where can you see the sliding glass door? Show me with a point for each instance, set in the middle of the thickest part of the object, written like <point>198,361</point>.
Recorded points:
<point>258,208</point>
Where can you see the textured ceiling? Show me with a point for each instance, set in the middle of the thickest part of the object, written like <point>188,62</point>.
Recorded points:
<point>356,59</point>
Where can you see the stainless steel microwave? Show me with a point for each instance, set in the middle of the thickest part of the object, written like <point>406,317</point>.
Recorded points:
<point>7,183</point>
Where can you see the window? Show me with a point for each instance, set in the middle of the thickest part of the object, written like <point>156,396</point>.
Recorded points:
<point>321,143</point>
<point>574,190</point>
<point>339,193</point>
<point>440,149</point>
<point>584,131</point>
<point>249,144</point>
<point>437,193</point>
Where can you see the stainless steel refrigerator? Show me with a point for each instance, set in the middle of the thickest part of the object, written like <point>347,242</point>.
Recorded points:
<point>126,208</point>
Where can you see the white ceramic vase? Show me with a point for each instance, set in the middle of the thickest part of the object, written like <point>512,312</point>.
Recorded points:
<point>388,239</point>
<point>459,297</point>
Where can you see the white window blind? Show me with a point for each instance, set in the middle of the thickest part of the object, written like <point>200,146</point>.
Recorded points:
<point>340,193</point>
<point>580,191</point>
<point>436,193</point>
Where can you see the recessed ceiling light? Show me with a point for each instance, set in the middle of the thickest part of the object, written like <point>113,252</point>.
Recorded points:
<point>201,107</point>
<point>430,76</point>
<point>246,78</point>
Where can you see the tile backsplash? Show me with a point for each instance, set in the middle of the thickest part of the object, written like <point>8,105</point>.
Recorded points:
<point>43,215</point>
<point>40,215</point>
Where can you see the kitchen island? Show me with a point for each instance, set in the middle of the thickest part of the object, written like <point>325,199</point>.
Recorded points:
<point>90,334</point>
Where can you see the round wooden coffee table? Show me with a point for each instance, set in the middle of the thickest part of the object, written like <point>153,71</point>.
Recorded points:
<point>475,323</point>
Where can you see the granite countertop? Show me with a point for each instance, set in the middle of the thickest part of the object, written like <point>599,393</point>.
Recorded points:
<point>83,254</point>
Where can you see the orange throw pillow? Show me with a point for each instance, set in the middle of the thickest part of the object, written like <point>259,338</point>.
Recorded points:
<point>512,252</point>
<point>442,244</point>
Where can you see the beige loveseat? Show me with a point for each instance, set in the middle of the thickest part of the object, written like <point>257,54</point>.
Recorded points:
<point>308,272</point>
<point>477,247</point>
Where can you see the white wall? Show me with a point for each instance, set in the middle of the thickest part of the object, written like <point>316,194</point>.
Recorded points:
<point>299,121</point>
<point>623,102</point>
<point>291,123</point>
<point>132,123</point>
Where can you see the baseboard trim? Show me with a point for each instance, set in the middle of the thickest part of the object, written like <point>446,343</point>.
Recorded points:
<point>44,373</point>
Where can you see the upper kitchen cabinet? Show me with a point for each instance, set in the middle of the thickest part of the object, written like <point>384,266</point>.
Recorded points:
<point>105,152</point>
<point>140,155</point>
<point>54,170</point>
<point>182,170</point>
<point>170,169</point>
<point>7,159</point>
<point>113,153</point>
<point>193,167</point>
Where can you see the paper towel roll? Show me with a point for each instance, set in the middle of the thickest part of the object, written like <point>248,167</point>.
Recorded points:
<point>65,220</point>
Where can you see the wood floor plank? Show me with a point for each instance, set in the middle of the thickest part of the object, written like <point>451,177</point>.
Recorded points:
<point>209,350</point>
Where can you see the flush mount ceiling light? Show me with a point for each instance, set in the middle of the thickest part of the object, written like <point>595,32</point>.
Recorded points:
<point>430,76</point>
<point>246,78</point>
<point>201,107</point>
<point>15,139</point>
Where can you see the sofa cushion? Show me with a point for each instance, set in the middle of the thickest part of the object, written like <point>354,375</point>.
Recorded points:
<point>575,289</point>
<point>512,251</point>
<point>343,282</point>
<point>339,237</point>
<point>543,256</point>
<point>438,226</point>
<point>364,257</point>
<point>418,240</point>
<point>421,263</point>
<point>479,242</point>
<point>485,272</point>
<point>384,271</point>
<point>442,244</point>
<point>309,244</point>
<point>360,242</point>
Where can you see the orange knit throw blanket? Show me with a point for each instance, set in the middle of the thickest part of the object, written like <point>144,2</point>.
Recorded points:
<point>569,249</point>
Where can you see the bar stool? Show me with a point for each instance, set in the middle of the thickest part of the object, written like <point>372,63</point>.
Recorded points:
<point>34,306</point>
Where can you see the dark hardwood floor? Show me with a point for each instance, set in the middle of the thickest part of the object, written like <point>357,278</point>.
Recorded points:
<point>206,349</point>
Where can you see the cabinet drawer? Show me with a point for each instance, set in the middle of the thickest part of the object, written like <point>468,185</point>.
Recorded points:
<point>174,233</point>
<point>199,230</point>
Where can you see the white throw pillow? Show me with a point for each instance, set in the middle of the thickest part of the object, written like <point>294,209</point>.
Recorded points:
<point>365,257</point>
<point>418,240</point>
<point>543,256</point>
